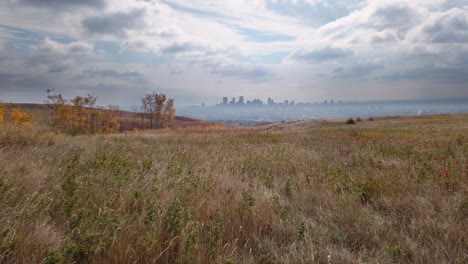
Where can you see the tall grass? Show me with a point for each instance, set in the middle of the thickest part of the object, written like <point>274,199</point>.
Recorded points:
<point>387,191</point>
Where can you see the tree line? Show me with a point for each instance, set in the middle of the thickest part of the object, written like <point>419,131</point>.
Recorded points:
<point>80,115</point>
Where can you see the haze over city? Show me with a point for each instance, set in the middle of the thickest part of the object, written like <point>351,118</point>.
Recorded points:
<point>200,51</point>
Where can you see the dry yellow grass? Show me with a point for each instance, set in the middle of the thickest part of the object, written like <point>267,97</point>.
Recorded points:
<point>386,191</point>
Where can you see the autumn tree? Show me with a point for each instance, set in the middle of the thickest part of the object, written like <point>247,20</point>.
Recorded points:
<point>60,111</point>
<point>158,109</point>
<point>14,116</point>
<point>80,115</point>
<point>19,118</point>
<point>159,100</point>
<point>148,107</point>
<point>111,122</point>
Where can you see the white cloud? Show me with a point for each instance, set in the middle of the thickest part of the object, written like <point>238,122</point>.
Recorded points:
<point>77,47</point>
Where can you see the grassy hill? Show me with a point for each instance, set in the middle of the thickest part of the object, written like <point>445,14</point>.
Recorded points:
<point>129,120</point>
<point>384,191</point>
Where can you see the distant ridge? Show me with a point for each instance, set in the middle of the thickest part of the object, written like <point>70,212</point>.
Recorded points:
<point>40,112</point>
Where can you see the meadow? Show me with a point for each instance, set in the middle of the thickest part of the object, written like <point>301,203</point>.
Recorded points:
<point>391,190</point>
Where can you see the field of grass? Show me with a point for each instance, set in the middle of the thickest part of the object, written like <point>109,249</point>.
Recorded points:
<point>384,191</point>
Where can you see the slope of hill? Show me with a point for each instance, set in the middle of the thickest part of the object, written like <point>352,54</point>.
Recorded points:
<point>383,191</point>
<point>128,119</point>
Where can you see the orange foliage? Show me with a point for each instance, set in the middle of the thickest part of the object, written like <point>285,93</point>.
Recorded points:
<point>14,116</point>
<point>216,127</point>
<point>78,116</point>
<point>2,114</point>
<point>19,118</point>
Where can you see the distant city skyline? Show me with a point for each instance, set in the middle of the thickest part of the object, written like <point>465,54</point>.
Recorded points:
<point>270,102</point>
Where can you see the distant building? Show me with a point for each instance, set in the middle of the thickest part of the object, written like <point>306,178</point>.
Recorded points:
<point>241,100</point>
<point>286,102</point>
<point>271,101</point>
<point>233,101</point>
<point>225,100</point>
<point>203,105</point>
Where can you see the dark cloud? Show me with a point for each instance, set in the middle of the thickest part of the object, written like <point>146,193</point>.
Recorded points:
<point>434,74</point>
<point>237,70</point>
<point>178,48</point>
<point>32,88</point>
<point>58,67</point>
<point>131,77</point>
<point>358,70</point>
<point>450,27</point>
<point>320,55</point>
<point>114,23</point>
<point>393,16</point>
<point>54,4</point>
<point>23,82</point>
<point>250,73</point>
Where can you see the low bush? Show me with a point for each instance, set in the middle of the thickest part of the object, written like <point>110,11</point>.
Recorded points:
<point>350,121</point>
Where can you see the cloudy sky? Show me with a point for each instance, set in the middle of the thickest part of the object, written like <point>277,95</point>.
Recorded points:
<point>200,50</point>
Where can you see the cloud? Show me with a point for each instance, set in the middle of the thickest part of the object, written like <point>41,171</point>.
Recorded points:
<point>320,54</point>
<point>129,76</point>
<point>448,27</point>
<point>361,69</point>
<point>384,36</point>
<point>373,18</point>
<point>77,47</point>
<point>54,4</point>
<point>23,83</point>
<point>116,23</point>
<point>432,74</point>
<point>243,71</point>
<point>60,67</point>
<point>398,16</point>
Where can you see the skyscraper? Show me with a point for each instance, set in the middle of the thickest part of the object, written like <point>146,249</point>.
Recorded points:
<point>241,100</point>
<point>225,100</point>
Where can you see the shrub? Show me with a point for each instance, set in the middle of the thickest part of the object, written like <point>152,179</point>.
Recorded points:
<point>18,117</point>
<point>53,257</point>
<point>358,119</point>
<point>395,251</point>
<point>350,121</point>
<point>367,188</point>
<point>301,231</point>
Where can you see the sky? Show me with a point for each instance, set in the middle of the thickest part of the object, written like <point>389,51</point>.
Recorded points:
<point>198,51</point>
